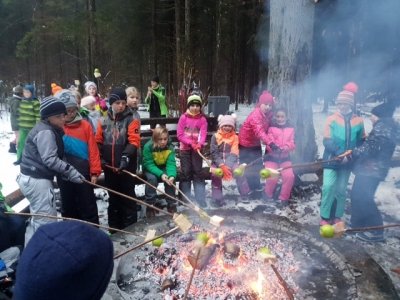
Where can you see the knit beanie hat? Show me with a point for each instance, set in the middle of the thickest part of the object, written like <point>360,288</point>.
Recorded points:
<point>194,99</point>
<point>156,79</point>
<point>117,93</point>
<point>65,260</point>
<point>68,98</point>
<point>87,100</point>
<point>55,88</point>
<point>224,120</point>
<point>265,98</point>
<point>89,84</point>
<point>51,106</point>
<point>347,95</point>
<point>384,110</point>
<point>31,88</point>
<point>17,90</point>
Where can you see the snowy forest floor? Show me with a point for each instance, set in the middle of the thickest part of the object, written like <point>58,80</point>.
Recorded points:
<point>304,210</point>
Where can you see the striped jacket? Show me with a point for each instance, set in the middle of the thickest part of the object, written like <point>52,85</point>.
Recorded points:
<point>29,113</point>
<point>340,134</point>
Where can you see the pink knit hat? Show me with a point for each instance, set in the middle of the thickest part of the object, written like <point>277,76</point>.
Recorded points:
<point>347,95</point>
<point>224,120</point>
<point>265,98</point>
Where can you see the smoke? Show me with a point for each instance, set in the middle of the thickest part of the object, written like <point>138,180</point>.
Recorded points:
<point>359,41</point>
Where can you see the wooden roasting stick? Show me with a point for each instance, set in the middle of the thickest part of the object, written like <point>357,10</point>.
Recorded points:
<point>147,241</point>
<point>180,220</point>
<point>192,273</point>
<point>282,282</point>
<point>340,230</point>
<point>70,219</point>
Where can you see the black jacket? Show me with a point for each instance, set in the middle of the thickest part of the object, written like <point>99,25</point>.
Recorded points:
<point>373,157</point>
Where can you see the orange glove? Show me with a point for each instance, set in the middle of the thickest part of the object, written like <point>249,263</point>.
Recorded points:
<point>227,173</point>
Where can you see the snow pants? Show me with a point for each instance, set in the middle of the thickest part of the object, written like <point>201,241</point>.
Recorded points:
<point>122,212</point>
<point>78,201</point>
<point>192,170</point>
<point>40,194</point>
<point>334,192</point>
<point>151,194</point>
<point>23,133</point>
<point>287,180</point>
<point>248,155</point>
<point>364,211</point>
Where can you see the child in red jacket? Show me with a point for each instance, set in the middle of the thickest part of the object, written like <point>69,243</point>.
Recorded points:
<point>281,136</point>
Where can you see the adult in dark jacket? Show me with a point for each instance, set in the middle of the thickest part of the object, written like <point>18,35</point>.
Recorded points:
<point>41,161</point>
<point>372,162</point>
<point>14,103</point>
<point>118,138</point>
<point>155,98</point>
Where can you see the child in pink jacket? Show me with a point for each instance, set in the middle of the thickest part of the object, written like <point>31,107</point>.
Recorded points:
<point>281,137</point>
<point>251,134</point>
<point>192,134</point>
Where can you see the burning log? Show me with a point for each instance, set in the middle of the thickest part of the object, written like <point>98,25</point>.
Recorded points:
<point>202,256</point>
<point>231,250</point>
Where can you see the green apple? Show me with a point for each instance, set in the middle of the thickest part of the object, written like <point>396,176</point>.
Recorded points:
<point>238,172</point>
<point>265,173</point>
<point>218,172</point>
<point>158,242</point>
<point>202,237</point>
<point>327,231</point>
<point>266,254</point>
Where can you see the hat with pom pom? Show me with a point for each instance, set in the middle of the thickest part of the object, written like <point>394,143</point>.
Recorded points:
<point>265,98</point>
<point>347,95</point>
<point>55,88</point>
<point>227,120</point>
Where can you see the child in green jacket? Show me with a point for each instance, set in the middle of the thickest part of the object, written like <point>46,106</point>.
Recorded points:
<point>159,163</point>
<point>29,115</point>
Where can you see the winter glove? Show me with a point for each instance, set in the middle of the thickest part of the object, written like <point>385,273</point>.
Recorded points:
<point>74,176</point>
<point>274,147</point>
<point>195,146</point>
<point>123,165</point>
<point>227,173</point>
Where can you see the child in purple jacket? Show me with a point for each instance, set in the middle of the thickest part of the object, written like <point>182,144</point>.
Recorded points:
<point>192,133</point>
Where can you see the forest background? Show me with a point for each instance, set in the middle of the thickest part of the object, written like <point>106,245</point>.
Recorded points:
<point>301,50</point>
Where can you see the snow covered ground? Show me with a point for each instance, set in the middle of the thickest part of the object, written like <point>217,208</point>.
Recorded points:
<point>304,211</point>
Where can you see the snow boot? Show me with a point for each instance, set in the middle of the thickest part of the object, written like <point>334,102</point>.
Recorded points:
<point>13,148</point>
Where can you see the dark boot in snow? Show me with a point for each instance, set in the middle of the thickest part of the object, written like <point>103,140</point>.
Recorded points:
<point>13,148</point>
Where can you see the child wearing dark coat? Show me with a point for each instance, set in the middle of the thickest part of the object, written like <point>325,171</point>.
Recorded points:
<point>372,162</point>
<point>118,138</point>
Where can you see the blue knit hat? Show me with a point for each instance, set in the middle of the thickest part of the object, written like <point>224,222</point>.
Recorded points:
<point>65,260</point>
<point>31,88</point>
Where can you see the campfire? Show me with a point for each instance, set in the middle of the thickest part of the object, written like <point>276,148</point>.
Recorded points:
<point>261,258</point>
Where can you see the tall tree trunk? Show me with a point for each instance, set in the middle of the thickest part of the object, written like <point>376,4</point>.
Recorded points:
<point>291,35</point>
<point>214,82</point>
<point>178,46</point>
<point>154,37</point>
<point>91,38</point>
<point>187,34</point>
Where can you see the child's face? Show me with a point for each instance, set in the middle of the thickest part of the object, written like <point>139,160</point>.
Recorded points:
<point>195,108</point>
<point>163,140</point>
<point>71,114</point>
<point>118,106</point>
<point>57,120</point>
<point>133,100</point>
<point>344,108</point>
<point>265,108</point>
<point>91,106</point>
<point>280,117</point>
<point>227,128</point>
<point>153,84</point>
<point>92,91</point>
<point>27,94</point>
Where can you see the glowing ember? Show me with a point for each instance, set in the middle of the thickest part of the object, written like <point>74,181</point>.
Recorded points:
<point>258,285</point>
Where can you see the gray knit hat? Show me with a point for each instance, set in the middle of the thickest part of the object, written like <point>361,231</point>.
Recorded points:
<point>51,106</point>
<point>68,98</point>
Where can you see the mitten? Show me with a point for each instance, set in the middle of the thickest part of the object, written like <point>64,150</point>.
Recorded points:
<point>227,172</point>
<point>123,165</point>
<point>274,147</point>
<point>195,146</point>
<point>74,176</point>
